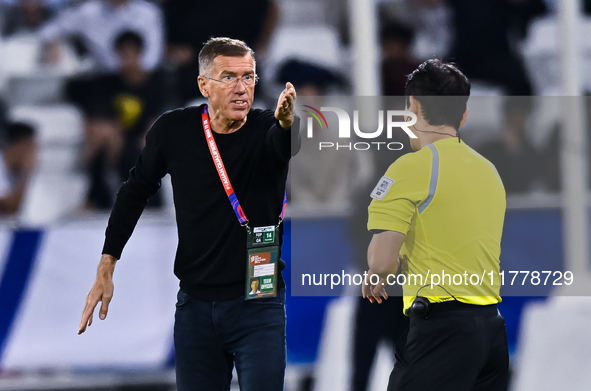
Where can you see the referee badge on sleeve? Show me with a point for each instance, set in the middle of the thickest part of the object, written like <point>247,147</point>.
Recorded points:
<point>382,188</point>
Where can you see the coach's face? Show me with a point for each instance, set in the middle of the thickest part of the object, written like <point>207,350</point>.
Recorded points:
<point>231,100</point>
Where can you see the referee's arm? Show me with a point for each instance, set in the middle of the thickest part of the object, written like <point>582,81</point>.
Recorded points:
<point>390,216</point>
<point>382,258</point>
<point>382,253</point>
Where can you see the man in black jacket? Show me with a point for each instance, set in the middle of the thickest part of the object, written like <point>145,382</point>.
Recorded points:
<point>215,152</point>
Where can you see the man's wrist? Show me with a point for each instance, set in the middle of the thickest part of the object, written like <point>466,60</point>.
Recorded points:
<point>109,258</point>
<point>380,274</point>
<point>107,264</point>
<point>285,124</point>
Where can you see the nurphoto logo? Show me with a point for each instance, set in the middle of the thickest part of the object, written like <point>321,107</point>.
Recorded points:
<point>344,128</point>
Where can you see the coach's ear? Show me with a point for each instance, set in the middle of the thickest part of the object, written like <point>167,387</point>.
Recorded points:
<point>464,116</point>
<point>202,83</point>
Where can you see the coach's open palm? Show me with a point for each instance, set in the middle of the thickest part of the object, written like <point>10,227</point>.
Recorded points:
<point>102,291</point>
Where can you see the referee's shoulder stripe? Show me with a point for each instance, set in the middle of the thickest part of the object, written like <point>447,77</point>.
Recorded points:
<point>434,178</point>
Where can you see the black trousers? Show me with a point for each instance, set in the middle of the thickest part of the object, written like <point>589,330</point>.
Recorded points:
<point>458,347</point>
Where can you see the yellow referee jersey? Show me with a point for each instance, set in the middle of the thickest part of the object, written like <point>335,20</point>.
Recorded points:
<point>450,203</point>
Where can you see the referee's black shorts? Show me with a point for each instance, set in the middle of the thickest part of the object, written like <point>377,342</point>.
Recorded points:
<point>458,347</point>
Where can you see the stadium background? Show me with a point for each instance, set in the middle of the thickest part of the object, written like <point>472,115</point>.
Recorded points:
<point>50,247</point>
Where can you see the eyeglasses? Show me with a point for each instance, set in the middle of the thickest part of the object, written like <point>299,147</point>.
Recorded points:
<point>231,81</point>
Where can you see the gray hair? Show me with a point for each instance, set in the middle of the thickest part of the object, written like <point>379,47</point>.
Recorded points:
<point>221,46</point>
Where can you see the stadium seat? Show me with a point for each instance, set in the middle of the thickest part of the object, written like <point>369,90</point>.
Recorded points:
<point>2,66</point>
<point>26,80</point>
<point>20,55</point>
<point>302,12</point>
<point>57,125</point>
<point>50,197</point>
<point>542,55</point>
<point>315,44</point>
<point>485,118</point>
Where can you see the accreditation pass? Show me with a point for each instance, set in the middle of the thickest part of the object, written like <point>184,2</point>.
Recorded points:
<point>261,270</point>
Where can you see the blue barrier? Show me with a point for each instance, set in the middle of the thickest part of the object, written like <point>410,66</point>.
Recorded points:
<point>532,241</point>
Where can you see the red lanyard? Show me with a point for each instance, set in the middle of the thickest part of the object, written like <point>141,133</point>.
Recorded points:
<point>219,165</point>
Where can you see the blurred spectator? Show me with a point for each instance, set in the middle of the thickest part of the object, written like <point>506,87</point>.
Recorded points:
<point>307,184</point>
<point>119,111</point>
<point>551,164</point>
<point>17,163</point>
<point>310,79</point>
<point>25,16</point>
<point>396,39</point>
<point>551,160</point>
<point>516,160</point>
<point>430,21</point>
<point>3,119</point>
<point>190,23</point>
<point>54,4</point>
<point>482,47</point>
<point>96,23</point>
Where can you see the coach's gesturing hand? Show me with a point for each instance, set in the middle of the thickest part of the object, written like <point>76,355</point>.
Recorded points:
<point>102,290</point>
<point>285,111</point>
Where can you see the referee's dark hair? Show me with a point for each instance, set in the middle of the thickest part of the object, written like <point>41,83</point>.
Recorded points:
<point>221,46</point>
<point>433,80</point>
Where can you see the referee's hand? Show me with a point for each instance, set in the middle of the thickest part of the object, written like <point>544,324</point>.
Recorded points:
<point>285,111</point>
<point>102,290</point>
<point>374,293</point>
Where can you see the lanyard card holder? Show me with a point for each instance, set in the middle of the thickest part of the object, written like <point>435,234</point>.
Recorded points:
<point>261,263</point>
<point>262,242</point>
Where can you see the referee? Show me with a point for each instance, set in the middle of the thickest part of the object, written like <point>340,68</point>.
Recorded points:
<point>437,218</point>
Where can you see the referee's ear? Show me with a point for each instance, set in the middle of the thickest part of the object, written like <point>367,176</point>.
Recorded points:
<point>413,105</point>
<point>464,116</point>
